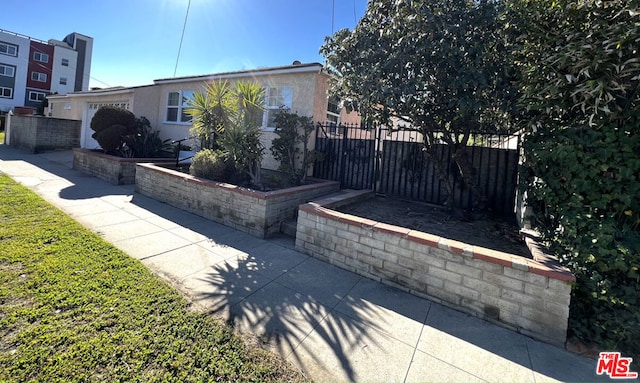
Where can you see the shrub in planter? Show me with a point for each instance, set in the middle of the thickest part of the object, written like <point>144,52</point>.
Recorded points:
<point>146,143</point>
<point>110,124</point>
<point>212,165</point>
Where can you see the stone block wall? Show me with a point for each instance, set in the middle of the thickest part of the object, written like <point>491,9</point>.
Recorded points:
<point>254,212</point>
<point>115,170</point>
<point>531,296</point>
<point>39,134</point>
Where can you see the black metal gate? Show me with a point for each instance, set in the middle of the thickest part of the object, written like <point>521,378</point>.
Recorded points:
<point>394,163</point>
<point>348,155</point>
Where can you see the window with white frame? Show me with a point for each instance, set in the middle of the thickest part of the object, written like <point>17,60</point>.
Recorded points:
<point>37,76</point>
<point>276,98</point>
<point>177,104</point>
<point>333,110</point>
<point>7,70</point>
<point>8,49</point>
<point>63,81</point>
<point>6,92</point>
<point>36,96</point>
<point>42,57</point>
<point>65,62</point>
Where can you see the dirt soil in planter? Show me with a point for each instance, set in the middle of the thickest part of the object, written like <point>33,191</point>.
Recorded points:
<point>483,230</point>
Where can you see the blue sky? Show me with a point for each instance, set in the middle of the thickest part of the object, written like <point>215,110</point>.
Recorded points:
<point>137,41</point>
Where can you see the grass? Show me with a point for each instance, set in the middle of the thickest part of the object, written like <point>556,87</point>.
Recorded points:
<point>2,137</point>
<point>74,308</point>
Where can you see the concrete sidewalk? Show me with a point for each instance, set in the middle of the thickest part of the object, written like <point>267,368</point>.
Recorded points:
<point>332,324</point>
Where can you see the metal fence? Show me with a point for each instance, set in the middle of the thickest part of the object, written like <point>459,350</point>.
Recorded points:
<point>394,163</point>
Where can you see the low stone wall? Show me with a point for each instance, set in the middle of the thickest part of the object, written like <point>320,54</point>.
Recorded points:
<point>115,170</point>
<point>39,134</point>
<point>257,213</point>
<point>531,296</point>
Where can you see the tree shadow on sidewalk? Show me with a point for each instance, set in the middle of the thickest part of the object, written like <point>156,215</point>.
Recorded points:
<point>298,306</point>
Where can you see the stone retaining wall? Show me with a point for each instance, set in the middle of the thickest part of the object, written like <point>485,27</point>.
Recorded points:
<point>254,212</point>
<point>39,134</point>
<point>531,296</point>
<point>115,170</point>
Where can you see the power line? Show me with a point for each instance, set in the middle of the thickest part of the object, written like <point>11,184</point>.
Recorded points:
<point>175,70</point>
<point>355,20</point>
<point>333,14</point>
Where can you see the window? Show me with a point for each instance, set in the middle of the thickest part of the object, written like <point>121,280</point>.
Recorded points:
<point>7,70</point>
<point>63,81</point>
<point>275,99</point>
<point>42,57</point>
<point>65,62</point>
<point>37,96</point>
<point>177,103</point>
<point>37,76</point>
<point>8,49</point>
<point>6,92</point>
<point>333,110</point>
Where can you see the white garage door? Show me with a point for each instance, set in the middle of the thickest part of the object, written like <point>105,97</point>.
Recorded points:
<point>90,110</point>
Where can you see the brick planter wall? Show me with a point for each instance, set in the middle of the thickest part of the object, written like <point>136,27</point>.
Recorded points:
<point>254,212</point>
<point>38,134</point>
<point>115,170</point>
<point>531,296</point>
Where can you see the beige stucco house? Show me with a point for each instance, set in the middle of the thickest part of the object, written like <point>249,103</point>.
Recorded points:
<point>301,87</point>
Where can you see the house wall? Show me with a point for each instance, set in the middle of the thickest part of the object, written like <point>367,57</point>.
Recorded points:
<point>309,85</point>
<point>304,102</point>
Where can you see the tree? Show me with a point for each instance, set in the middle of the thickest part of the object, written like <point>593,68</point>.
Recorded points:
<point>440,67</point>
<point>230,117</point>
<point>291,145</point>
<point>581,88</point>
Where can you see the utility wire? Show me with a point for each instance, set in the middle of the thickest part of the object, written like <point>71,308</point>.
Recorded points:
<point>355,20</point>
<point>175,70</point>
<point>333,13</point>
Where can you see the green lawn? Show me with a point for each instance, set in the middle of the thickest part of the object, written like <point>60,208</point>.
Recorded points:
<point>2,137</point>
<point>74,308</point>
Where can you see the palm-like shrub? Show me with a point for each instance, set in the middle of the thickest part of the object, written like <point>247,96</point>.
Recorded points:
<point>229,118</point>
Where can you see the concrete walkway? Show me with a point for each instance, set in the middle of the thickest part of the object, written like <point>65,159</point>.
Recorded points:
<point>332,324</point>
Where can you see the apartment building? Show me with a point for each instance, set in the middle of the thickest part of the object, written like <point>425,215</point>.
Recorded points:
<point>32,69</point>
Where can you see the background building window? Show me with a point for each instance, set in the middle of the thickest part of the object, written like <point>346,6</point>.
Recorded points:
<point>275,99</point>
<point>7,70</point>
<point>8,49</point>
<point>37,76</point>
<point>37,96</point>
<point>177,103</point>
<point>6,92</point>
<point>65,62</point>
<point>63,81</point>
<point>42,57</point>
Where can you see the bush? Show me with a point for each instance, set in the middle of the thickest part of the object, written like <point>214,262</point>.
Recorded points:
<point>110,124</point>
<point>580,82</point>
<point>146,143</point>
<point>111,138</point>
<point>212,165</point>
<point>290,147</point>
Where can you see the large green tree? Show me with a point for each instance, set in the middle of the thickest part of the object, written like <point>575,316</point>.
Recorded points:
<point>439,67</point>
<point>581,87</point>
